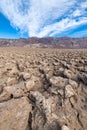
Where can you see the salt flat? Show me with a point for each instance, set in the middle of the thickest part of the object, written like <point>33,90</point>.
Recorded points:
<point>43,89</point>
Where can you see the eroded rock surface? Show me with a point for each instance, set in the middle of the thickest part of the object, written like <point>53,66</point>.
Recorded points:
<point>43,89</point>
<point>14,114</point>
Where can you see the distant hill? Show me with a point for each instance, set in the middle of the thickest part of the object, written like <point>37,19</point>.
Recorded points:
<point>62,42</point>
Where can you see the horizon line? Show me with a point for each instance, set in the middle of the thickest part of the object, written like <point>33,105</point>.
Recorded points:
<point>14,38</point>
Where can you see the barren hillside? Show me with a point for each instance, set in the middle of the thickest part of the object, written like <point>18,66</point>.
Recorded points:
<point>63,42</point>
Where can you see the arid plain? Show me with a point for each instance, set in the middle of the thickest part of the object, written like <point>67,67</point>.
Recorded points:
<point>43,89</point>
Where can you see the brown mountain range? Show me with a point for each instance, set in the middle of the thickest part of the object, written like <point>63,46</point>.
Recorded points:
<point>62,42</point>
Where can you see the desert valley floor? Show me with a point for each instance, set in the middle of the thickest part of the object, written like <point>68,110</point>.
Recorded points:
<point>43,89</point>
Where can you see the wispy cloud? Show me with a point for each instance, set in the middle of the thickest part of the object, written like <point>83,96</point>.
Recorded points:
<point>44,18</point>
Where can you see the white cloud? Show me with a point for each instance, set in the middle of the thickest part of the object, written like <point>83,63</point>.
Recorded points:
<point>80,10</point>
<point>62,26</point>
<point>84,4</point>
<point>77,13</point>
<point>38,17</point>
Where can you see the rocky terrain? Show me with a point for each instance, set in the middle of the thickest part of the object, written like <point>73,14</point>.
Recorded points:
<point>43,89</point>
<point>46,42</point>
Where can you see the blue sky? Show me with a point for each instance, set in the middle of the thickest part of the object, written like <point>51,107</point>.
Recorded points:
<point>42,18</point>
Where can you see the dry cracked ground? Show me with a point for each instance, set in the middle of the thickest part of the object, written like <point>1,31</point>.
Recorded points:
<point>43,89</point>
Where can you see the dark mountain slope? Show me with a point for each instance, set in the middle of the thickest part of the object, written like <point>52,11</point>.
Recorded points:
<point>62,42</point>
